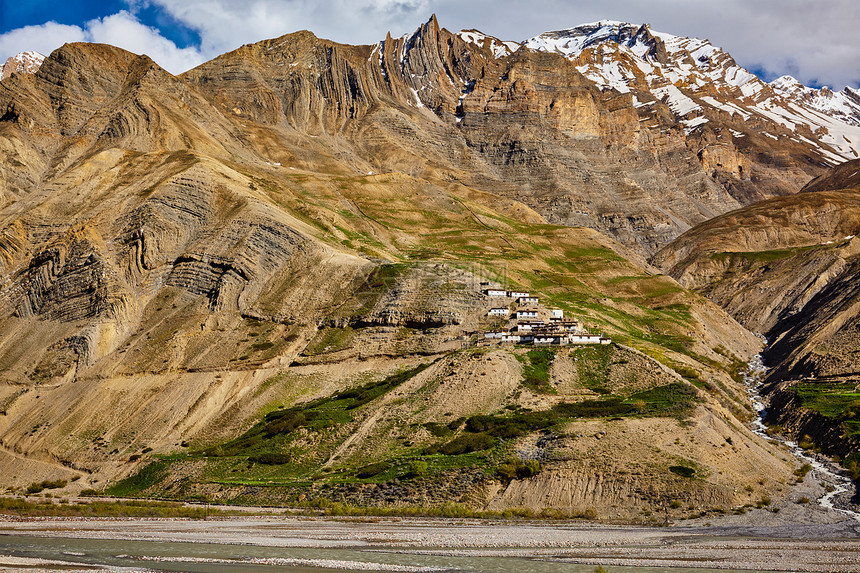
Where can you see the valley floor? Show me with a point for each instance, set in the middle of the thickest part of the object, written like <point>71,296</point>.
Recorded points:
<point>799,538</point>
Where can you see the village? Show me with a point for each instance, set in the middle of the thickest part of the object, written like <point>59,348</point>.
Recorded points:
<point>531,323</point>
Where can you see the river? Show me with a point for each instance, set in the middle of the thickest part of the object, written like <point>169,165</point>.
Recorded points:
<point>843,489</point>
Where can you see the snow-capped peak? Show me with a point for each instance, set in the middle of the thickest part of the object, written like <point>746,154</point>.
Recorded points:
<point>844,105</point>
<point>698,80</point>
<point>786,84</point>
<point>26,62</point>
<point>572,41</point>
<point>499,48</point>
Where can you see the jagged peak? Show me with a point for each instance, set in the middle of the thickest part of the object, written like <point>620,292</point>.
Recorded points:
<point>500,48</point>
<point>26,62</point>
<point>571,41</point>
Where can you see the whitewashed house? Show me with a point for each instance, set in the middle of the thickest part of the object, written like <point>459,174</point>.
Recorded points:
<point>495,292</point>
<point>528,300</point>
<point>498,312</point>
<point>589,339</point>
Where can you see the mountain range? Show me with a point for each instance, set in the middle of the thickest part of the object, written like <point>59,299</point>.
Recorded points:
<point>262,280</point>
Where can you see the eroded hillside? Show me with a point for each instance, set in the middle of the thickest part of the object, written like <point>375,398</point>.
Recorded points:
<point>253,282</point>
<point>788,268</point>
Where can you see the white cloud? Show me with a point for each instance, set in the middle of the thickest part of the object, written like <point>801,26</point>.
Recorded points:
<point>121,29</point>
<point>224,25</point>
<point>43,39</point>
<point>125,31</point>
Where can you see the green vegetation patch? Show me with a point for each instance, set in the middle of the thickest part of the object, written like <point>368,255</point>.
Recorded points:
<point>125,508</point>
<point>483,432</point>
<point>518,469</point>
<point>146,478</point>
<point>838,402</point>
<point>759,256</point>
<point>592,365</point>
<point>317,415</point>
<point>536,365</point>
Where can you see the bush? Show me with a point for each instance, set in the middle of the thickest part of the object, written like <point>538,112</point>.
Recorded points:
<point>371,470</point>
<point>47,484</point>
<point>438,430</point>
<point>417,468</point>
<point>34,488</point>
<point>802,471</point>
<point>682,471</point>
<point>519,469</point>
<point>468,443</point>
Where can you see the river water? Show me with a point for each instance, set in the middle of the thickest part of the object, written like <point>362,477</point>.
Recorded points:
<point>823,469</point>
<point>124,555</point>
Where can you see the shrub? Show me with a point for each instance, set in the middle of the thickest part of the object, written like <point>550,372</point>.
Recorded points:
<point>54,484</point>
<point>371,470</point>
<point>468,443</point>
<point>417,468</point>
<point>438,430</point>
<point>519,469</point>
<point>682,471</point>
<point>802,471</point>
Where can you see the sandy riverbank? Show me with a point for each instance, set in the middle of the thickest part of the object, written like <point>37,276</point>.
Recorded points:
<point>833,546</point>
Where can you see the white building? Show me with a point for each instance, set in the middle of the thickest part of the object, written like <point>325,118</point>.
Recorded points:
<point>495,292</point>
<point>589,339</point>
<point>498,312</point>
<point>517,294</point>
<point>557,313</point>
<point>526,314</point>
<point>525,300</point>
<point>551,339</point>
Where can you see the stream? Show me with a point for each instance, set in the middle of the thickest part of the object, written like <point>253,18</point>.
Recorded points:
<point>823,468</point>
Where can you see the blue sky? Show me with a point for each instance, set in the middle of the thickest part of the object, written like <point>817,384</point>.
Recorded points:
<point>814,41</point>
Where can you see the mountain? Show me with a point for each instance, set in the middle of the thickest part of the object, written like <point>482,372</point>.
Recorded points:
<point>261,281</point>
<point>25,62</point>
<point>843,105</point>
<point>788,268</point>
<point>708,91</point>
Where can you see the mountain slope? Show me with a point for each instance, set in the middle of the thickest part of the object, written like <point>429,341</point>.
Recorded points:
<point>788,268</point>
<point>275,261</point>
